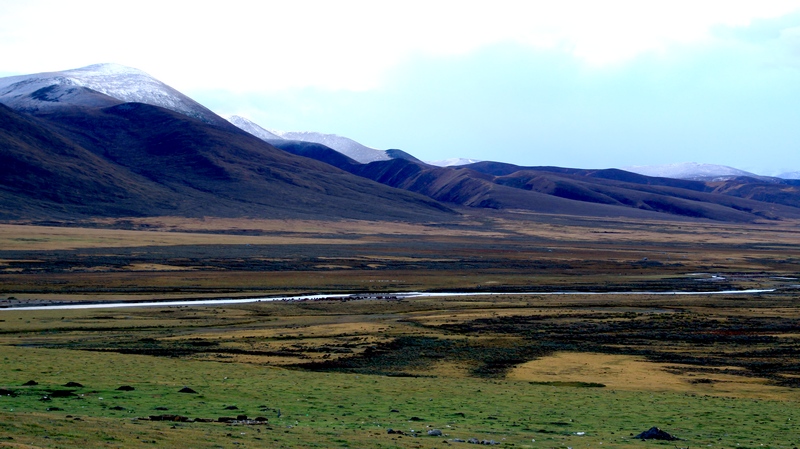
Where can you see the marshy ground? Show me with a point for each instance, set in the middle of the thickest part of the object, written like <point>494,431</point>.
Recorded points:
<point>523,370</point>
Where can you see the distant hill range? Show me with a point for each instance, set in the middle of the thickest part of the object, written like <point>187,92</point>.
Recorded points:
<point>555,190</point>
<point>108,140</point>
<point>696,172</point>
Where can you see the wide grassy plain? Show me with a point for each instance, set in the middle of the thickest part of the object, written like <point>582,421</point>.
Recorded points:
<point>524,369</point>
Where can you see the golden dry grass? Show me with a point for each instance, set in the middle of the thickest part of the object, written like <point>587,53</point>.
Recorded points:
<point>630,373</point>
<point>565,230</point>
<point>46,238</point>
<point>616,230</point>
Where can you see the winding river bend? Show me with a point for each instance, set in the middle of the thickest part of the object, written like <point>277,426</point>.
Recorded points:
<point>353,296</point>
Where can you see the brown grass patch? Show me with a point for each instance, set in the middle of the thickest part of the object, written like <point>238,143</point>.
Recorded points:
<point>155,267</point>
<point>446,369</point>
<point>46,238</point>
<point>621,372</point>
<point>316,227</point>
<point>603,230</point>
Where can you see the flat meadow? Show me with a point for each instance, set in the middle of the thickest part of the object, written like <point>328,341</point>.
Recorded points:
<point>528,368</point>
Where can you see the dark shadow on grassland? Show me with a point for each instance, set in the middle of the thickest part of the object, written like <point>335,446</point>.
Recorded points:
<point>411,355</point>
<point>765,347</point>
<point>762,347</point>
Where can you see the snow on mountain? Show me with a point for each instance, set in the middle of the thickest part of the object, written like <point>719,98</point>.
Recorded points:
<point>790,175</point>
<point>253,128</point>
<point>691,171</point>
<point>348,147</point>
<point>452,162</point>
<point>126,84</point>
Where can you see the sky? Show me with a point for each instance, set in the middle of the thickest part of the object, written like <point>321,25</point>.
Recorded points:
<point>582,84</point>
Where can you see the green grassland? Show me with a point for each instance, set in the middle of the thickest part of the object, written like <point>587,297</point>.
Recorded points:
<point>307,409</point>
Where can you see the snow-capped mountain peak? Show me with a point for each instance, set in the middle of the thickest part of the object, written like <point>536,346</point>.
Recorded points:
<point>106,69</point>
<point>253,128</point>
<point>690,171</point>
<point>453,162</point>
<point>344,145</point>
<point>125,84</point>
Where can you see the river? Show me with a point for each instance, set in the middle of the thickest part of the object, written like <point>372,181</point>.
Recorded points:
<point>353,296</point>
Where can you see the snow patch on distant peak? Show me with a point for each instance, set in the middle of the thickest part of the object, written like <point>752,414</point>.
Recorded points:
<point>117,81</point>
<point>344,145</point>
<point>106,69</point>
<point>790,175</point>
<point>348,147</point>
<point>690,171</point>
<point>253,128</point>
<point>453,162</point>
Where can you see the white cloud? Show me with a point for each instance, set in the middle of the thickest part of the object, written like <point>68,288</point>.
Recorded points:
<point>343,44</point>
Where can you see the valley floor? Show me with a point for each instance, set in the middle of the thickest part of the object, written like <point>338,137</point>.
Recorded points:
<point>522,370</point>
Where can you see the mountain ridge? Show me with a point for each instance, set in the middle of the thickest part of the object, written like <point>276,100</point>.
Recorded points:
<point>497,185</point>
<point>112,156</point>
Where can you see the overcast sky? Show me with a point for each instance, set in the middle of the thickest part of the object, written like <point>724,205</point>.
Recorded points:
<point>589,84</point>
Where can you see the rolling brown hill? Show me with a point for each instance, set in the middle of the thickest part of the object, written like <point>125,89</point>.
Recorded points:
<point>557,190</point>
<point>772,191</point>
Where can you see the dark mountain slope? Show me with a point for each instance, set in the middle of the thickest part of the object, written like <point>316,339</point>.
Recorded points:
<point>59,95</point>
<point>786,192</point>
<point>400,154</point>
<point>503,169</point>
<point>43,173</point>
<point>546,192</point>
<point>316,151</point>
<point>441,184</point>
<point>646,196</point>
<point>766,192</point>
<point>171,163</point>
